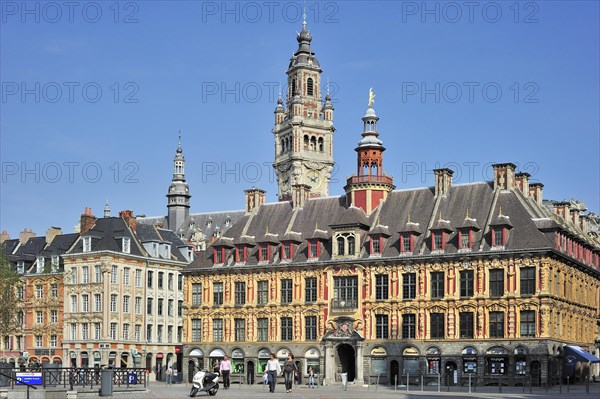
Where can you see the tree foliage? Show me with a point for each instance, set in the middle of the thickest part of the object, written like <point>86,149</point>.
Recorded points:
<point>10,282</point>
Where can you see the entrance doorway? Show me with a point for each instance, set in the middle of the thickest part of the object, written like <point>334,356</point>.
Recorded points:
<point>450,369</point>
<point>347,360</point>
<point>394,373</point>
<point>536,373</point>
<point>191,370</point>
<point>250,373</point>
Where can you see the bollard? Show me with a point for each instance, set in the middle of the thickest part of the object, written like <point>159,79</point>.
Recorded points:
<point>377,386</point>
<point>421,382</point>
<point>439,382</point>
<point>395,382</point>
<point>407,381</point>
<point>530,384</point>
<point>500,384</point>
<point>568,387</point>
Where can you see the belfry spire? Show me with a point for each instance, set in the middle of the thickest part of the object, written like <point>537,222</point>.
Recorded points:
<point>178,196</point>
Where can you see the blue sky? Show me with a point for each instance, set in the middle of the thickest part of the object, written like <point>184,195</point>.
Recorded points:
<point>93,97</point>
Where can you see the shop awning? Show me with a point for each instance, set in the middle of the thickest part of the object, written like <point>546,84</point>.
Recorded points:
<point>581,354</point>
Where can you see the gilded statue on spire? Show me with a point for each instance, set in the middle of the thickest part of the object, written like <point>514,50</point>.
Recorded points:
<point>371,97</point>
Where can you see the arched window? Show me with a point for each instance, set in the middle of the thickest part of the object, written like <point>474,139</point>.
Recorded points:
<point>341,245</point>
<point>282,146</point>
<point>309,87</point>
<point>313,143</point>
<point>321,144</point>
<point>351,245</point>
<point>293,87</point>
<point>306,142</point>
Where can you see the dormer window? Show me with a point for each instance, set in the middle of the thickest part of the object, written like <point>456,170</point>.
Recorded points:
<point>241,253</point>
<point>126,245</point>
<point>227,222</point>
<point>21,267</point>
<point>264,252</point>
<point>465,239</point>
<point>407,242</point>
<point>287,250</point>
<point>437,240</point>
<point>314,249</point>
<point>346,244</point>
<point>376,245</point>
<point>40,264</point>
<point>55,263</point>
<point>208,223</point>
<point>219,255</point>
<point>498,236</point>
<point>87,244</point>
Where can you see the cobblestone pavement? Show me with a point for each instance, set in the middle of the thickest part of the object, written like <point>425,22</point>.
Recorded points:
<point>164,391</point>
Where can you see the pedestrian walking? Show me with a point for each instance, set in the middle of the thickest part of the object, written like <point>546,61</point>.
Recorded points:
<point>225,370</point>
<point>273,368</point>
<point>169,375</point>
<point>289,372</point>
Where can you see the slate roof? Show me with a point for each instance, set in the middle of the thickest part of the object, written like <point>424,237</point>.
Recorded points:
<point>212,224</point>
<point>107,235</point>
<point>480,201</point>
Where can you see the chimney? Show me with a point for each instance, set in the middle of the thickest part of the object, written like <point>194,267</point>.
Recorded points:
<point>522,182</point>
<point>4,236</point>
<point>300,194</point>
<point>504,176</point>
<point>535,191</point>
<point>131,221</point>
<point>25,235</point>
<point>87,221</point>
<point>443,181</point>
<point>255,197</point>
<point>562,209</point>
<point>51,233</point>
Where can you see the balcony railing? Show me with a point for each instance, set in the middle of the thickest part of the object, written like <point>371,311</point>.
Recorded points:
<point>370,179</point>
<point>344,304</point>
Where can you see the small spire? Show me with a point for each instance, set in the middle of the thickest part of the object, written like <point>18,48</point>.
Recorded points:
<point>327,85</point>
<point>316,225</point>
<point>179,150</point>
<point>467,215</point>
<point>440,215</point>
<point>267,230</point>
<point>304,16</point>
<point>106,209</point>
<point>408,217</point>
<point>500,211</point>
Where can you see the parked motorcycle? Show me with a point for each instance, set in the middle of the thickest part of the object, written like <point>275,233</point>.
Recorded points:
<point>205,381</point>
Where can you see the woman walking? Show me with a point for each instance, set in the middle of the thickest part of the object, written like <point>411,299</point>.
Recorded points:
<point>289,370</point>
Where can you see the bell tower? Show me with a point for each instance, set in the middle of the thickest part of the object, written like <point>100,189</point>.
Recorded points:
<point>303,129</point>
<point>372,185</point>
<point>178,196</point>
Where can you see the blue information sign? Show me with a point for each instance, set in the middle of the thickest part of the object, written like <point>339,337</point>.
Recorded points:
<point>132,378</point>
<point>29,378</point>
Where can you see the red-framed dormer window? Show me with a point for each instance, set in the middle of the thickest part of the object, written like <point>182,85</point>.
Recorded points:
<point>465,239</point>
<point>219,255</point>
<point>287,250</point>
<point>241,252</point>
<point>407,242</point>
<point>264,252</point>
<point>376,245</point>
<point>438,239</point>
<point>314,249</point>
<point>498,236</point>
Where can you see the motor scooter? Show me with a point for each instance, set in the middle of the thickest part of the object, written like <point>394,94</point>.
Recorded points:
<point>205,381</point>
